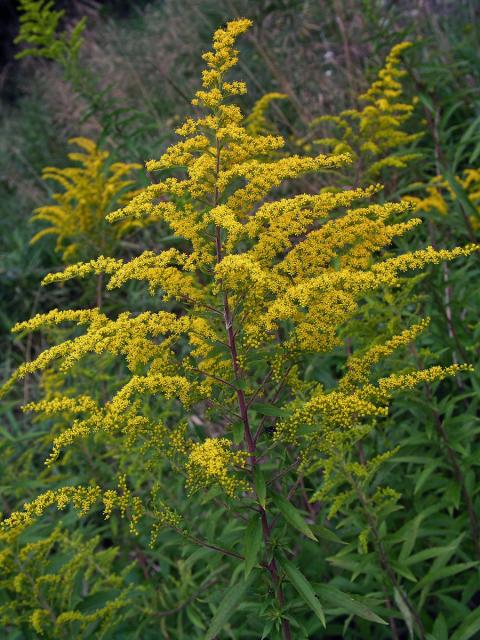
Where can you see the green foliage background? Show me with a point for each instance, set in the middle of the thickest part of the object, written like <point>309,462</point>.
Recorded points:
<point>139,73</point>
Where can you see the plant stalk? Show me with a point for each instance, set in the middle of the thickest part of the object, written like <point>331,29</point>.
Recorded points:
<point>242,405</point>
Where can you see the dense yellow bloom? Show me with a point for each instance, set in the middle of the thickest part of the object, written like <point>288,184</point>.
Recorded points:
<point>259,273</point>
<point>359,366</point>
<point>212,461</point>
<point>89,193</point>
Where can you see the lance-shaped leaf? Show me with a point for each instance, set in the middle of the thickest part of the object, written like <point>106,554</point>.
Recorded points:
<point>293,517</point>
<point>345,601</point>
<point>252,543</point>
<point>260,486</point>
<point>232,598</point>
<point>304,588</point>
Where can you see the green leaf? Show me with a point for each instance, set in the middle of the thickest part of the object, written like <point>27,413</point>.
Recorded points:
<point>425,474</point>
<point>404,571</point>
<point>227,607</point>
<point>404,610</point>
<point>270,410</point>
<point>440,628</point>
<point>304,589</point>
<point>252,543</point>
<point>260,486</point>
<point>469,626</point>
<point>6,434</point>
<point>445,572</point>
<point>461,194</point>
<point>266,629</point>
<point>347,603</point>
<point>194,617</point>
<point>326,534</point>
<point>241,384</point>
<point>237,428</point>
<point>293,517</point>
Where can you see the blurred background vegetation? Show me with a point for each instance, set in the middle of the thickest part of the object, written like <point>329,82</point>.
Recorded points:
<point>141,64</point>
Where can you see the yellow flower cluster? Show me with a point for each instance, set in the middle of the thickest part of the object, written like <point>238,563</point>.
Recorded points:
<point>256,123</point>
<point>46,594</point>
<point>338,473</point>
<point>440,191</point>
<point>123,500</point>
<point>359,366</point>
<point>212,461</point>
<point>82,498</point>
<point>89,193</point>
<point>259,271</point>
<point>375,135</point>
<point>164,517</point>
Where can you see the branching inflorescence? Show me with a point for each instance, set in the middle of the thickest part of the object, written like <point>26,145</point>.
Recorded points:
<point>257,283</point>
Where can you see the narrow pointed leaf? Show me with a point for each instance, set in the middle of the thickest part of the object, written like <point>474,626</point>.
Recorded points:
<point>345,601</point>
<point>252,543</point>
<point>260,487</point>
<point>293,517</point>
<point>404,610</point>
<point>469,627</point>
<point>237,428</point>
<point>270,410</point>
<point>326,534</point>
<point>227,607</point>
<point>304,588</point>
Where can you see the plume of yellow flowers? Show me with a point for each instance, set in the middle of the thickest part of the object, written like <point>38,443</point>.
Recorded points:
<point>257,122</point>
<point>440,191</point>
<point>209,461</point>
<point>375,135</point>
<point>263,281</point>
<point>89,192</point>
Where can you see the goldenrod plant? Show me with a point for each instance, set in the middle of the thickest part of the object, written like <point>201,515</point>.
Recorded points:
<point>39,31</point>
<point>70,598</point>
<point>89,192</point>
<point>257,121</point>
<point>43,37</point>
<point>442,191</point>
<point>374,134</point>
<point>258,289</point>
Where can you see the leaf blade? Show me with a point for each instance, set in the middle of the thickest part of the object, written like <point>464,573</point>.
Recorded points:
<point>304,589</point>
<point>227,607</point>
<point>260,486</point>
<point>252,543</point>
<point>293,517</point>
<point>345,601</point>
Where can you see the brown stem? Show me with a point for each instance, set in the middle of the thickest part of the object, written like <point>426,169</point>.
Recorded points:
<point>272,568</point>
<point>207,545</point>
<point>391,621</point>
<point>242,405</point>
